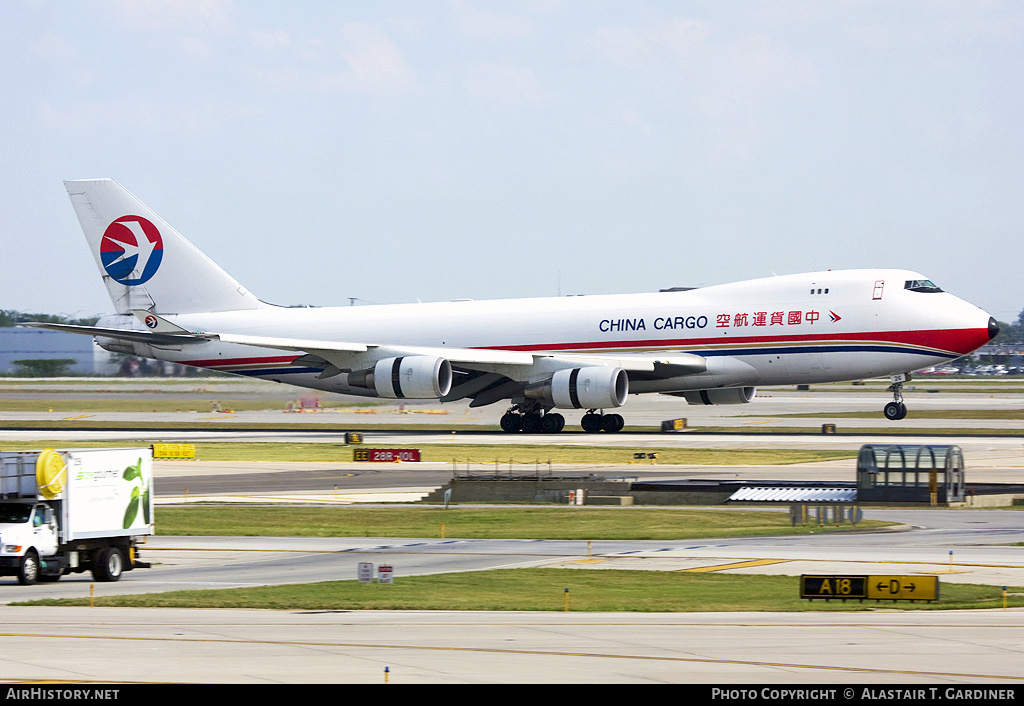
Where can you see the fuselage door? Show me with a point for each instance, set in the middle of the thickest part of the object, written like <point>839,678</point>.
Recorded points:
<point>879,284</point>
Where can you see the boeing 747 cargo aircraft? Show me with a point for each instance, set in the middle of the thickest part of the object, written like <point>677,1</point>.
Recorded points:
<point>711,345</point>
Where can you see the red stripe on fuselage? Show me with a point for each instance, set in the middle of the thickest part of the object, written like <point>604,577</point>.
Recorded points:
<point>960,341</point>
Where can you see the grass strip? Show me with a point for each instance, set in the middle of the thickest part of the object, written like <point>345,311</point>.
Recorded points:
<point>470,522</point>
<point>73,402</point>
<point>226,422</point>
<point>497,454</point>
<point>545,590</point>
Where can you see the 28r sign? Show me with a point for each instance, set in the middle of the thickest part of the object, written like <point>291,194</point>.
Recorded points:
<point>386,455</point>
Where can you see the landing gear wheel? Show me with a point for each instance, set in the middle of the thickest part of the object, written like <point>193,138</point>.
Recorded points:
<point>895,411</point>
<point>552,423</point>
<point>591,423</point>
<point>612,423</point>
<point>531,423</point>
<point>512,422</point>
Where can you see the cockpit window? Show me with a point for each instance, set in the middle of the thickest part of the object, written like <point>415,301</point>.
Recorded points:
<point>921,285</point>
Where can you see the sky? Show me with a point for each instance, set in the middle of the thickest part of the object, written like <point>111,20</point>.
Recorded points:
<point>383,152</point>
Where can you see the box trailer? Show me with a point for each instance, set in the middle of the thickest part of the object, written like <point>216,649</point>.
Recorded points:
<point>74,510</point>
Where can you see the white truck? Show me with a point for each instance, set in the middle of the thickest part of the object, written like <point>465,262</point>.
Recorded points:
<point>74,510</point>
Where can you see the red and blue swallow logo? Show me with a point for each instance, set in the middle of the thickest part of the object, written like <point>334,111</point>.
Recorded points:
<point>131,250</point>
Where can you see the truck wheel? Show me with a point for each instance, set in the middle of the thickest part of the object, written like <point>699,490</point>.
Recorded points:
<point>28,572</point>
<point>109,564</point>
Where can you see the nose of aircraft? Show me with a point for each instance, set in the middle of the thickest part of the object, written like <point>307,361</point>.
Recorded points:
<point>993,328</point>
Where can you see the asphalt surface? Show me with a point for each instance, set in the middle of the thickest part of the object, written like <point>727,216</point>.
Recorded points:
<point>878,645</point>
<point>840,651</point>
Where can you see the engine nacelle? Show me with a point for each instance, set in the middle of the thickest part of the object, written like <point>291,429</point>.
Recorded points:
<point>416,377</point>
<point>598,387</point>
<point>116,345</point>
<point>722,395</point>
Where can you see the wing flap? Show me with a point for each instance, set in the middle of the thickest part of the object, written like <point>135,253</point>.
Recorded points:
<point>659,365</point>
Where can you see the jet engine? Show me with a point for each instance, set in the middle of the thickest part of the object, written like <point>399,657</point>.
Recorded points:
<point>417,377</point>
<point>598,387</point>
<point>722,395</point>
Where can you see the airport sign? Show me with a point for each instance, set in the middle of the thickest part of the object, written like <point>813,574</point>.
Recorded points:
<point>881,588</point>
<point>174,450</point>
<point>903,588</point>
<point>365,572</point>
<point>386,455</point>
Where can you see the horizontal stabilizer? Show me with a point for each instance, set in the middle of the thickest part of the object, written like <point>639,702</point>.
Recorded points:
<point>159,339</point>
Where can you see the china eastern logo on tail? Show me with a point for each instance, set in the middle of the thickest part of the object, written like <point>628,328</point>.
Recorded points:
<point>131,250</point>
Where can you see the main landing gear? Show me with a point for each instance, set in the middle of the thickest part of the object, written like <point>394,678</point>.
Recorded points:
<point>532,421</point>
<point>536,420</point>
<point>896,409</point>
<point>593,422</point>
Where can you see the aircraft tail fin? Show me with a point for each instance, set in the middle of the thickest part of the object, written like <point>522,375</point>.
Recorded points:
<point>145,263</point>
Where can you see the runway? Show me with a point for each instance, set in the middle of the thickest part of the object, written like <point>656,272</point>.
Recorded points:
<point>71,645</point>
<point>772,407</point>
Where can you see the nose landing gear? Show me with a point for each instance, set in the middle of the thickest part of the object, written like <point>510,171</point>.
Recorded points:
<point>896,410</point>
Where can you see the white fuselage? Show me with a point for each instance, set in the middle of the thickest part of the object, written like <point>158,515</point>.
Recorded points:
<point>817,327</point>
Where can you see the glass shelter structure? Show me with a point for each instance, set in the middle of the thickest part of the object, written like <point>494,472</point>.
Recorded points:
<point>911,473</point>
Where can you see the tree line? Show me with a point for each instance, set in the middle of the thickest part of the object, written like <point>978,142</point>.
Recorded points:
<point>12,317</point>
<point>1011,332</point>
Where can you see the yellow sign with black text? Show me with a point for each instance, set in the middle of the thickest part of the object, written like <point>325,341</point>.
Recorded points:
<point>882,588</point>
<point>903,588</point>
<point>174,450</point>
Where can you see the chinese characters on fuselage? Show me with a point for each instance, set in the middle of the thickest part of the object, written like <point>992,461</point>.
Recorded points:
<point>739,319</point>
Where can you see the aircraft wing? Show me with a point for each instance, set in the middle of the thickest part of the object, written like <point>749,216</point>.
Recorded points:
<point>335,352</point>
<point>337,356</point>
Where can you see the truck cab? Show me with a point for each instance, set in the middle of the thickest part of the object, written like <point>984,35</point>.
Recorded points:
<point>28,539</point>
